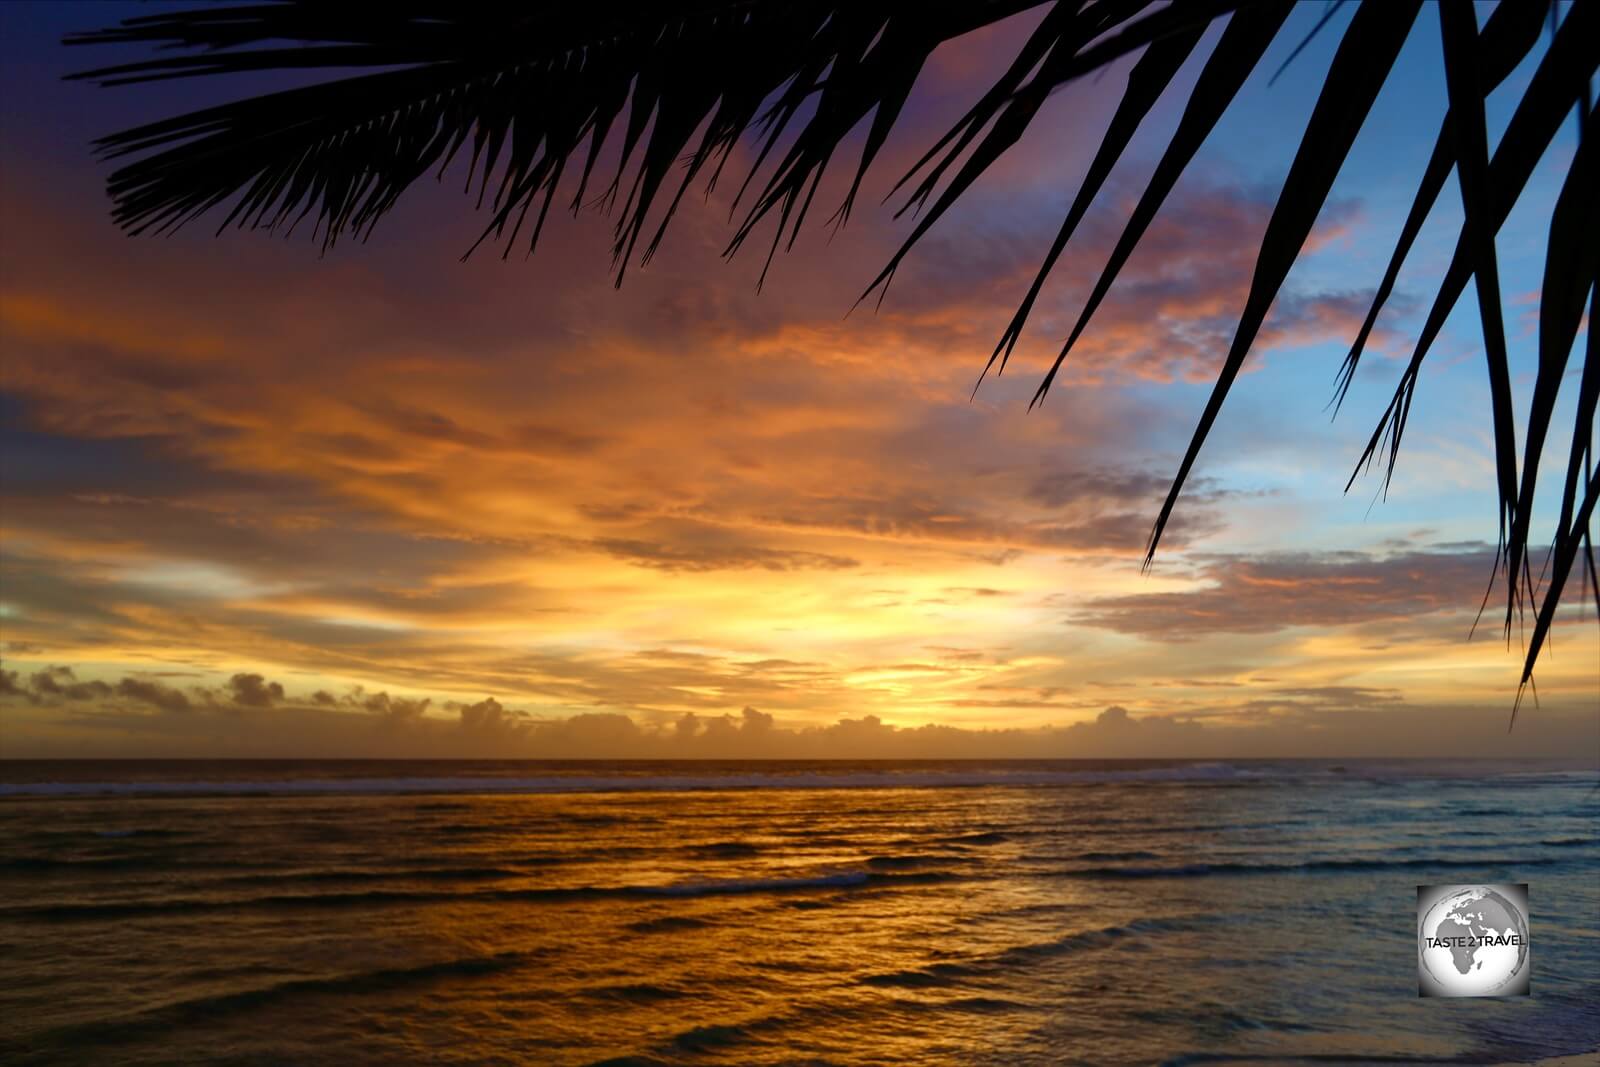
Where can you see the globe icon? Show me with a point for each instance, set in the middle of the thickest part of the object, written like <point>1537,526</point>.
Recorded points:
<point>1474,942</point>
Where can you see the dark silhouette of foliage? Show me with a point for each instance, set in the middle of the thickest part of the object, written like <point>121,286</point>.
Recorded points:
<point>535,88</point>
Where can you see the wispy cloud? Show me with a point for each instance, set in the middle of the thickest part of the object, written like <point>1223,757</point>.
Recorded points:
<point>1239,595</point>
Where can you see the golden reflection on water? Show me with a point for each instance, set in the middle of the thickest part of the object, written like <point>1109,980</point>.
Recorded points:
<point>765,926</point>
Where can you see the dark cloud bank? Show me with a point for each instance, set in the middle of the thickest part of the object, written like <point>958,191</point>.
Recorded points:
<point>250,716</point>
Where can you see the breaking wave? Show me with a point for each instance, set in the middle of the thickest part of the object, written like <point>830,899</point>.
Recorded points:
<point>926,778</point>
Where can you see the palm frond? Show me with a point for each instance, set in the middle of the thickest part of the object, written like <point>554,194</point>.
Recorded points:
<point>1508,36</point>
<point>1360,67</point>
<point>1243,42</point>
<point>529,90</point>
<point>1458,32</point>
<point>1147,81</point>
<point>540,90</point>
<point>1554,89</point>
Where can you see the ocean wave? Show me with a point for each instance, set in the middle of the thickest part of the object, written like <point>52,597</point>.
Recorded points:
<point>912,862</point>
<point>135,909</point>
<point>724,850</point>
<point>669,924</point>
<point>1189,1058</point>
<point>401,874</point>
<point>924,978</point>
<point>81,836</point>
<point>535,776</point>
<point>1094,938</point>
<point>210,1008</point>
<point>1196,870</point>
<point>811,903</point>
<point>710,1038</point>
<point>88,864</point>
<point>389,897</point>
<point>215,872</point>
<point>952,972</point>
<point>988,837</point>
<point>965,1005</point>
<point>754,885</point>
<point>635,993</point>
<point>470,829</point>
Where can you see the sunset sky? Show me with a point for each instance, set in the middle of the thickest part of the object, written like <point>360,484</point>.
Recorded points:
<point>260,501</point>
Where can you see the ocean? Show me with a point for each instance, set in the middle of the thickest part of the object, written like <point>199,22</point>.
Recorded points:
<point>1029,912</point>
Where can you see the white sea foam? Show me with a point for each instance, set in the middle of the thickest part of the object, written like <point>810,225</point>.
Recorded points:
<point>658,779</point>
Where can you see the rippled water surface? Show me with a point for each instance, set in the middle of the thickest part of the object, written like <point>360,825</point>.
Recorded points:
<point>762,914</point>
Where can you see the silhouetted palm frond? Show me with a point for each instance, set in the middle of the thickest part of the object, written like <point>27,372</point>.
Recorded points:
<point>536,90</point>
